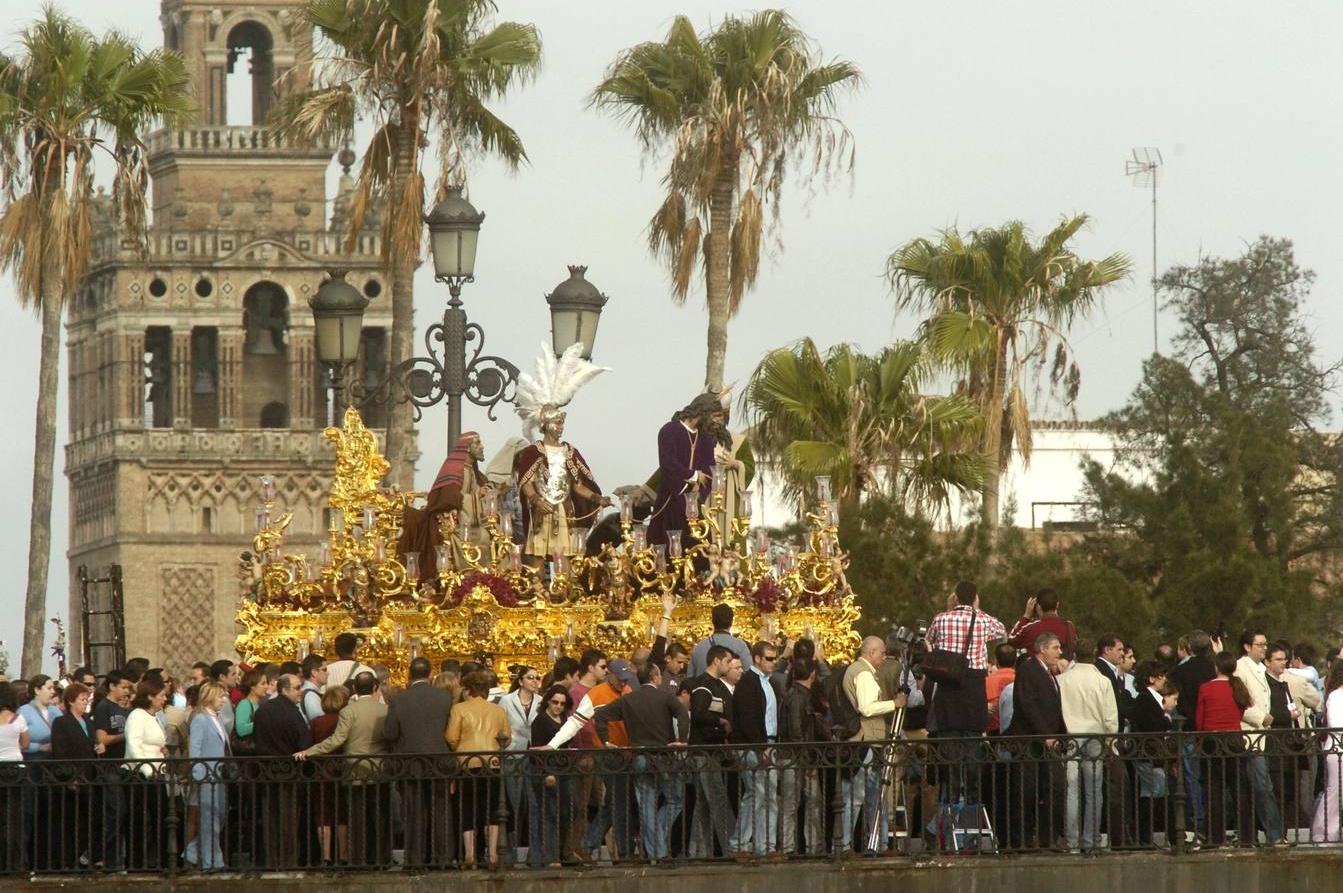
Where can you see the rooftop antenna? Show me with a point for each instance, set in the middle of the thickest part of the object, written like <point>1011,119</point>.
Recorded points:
<point>1143,168</point>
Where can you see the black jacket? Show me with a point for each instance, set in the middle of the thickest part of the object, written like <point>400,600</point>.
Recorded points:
<point>1188,677</point>
<point>69,741</point>
<point>417,719</point>
<point>1148,716</point>
<point>1036,706</point>
<point>798,722</point>
<point>748,710</point>
<point>279,728</point>
<point>1123,700</point>
<point>710,710</point>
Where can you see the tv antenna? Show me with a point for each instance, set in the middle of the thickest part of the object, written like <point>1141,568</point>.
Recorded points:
<point>1143,167</point>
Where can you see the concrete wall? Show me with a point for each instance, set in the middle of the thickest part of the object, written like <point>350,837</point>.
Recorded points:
<point>1250,872</point>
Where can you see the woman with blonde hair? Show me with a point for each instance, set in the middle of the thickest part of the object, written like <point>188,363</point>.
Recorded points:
<point>207,743</point>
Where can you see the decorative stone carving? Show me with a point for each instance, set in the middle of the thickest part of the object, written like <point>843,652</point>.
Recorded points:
<point>188,591</point>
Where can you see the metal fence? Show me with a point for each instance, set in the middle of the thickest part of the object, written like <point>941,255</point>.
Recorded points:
<point>911,797</point>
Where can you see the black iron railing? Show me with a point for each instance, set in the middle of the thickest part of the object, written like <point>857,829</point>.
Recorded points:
<point>1172,793</point>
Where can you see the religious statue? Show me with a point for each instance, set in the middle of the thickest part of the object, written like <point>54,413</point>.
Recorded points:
<point>558,493</point>
<point>461,491</point>
<point>685,466</point>
<point>732,453</point>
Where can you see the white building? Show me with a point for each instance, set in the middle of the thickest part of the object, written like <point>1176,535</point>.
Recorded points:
<point>1049,490</point>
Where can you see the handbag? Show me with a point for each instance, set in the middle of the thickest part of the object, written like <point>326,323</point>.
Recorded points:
<point>944,666</point>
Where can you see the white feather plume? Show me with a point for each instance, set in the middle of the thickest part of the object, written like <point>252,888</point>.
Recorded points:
<point>555,382</point>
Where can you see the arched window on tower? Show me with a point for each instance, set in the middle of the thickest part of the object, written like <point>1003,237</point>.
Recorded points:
<point>158,370</point>
<point>204,377</point>
<point>250,84</point>
<point>265,360</point>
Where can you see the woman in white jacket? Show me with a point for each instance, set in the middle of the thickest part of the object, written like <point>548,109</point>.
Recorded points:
<point>1325,827</point>
<point>146,741</point>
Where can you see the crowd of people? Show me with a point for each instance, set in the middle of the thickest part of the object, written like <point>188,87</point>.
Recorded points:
<point>722,749</point>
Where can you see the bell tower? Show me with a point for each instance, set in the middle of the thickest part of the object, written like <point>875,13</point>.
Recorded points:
<point>191,362</point>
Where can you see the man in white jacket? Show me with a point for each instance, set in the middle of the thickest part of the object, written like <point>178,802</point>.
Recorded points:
<point>1250,670</point>
<point>1089,708</point>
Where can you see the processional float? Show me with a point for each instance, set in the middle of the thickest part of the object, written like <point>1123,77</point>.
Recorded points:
<point>486,604</point>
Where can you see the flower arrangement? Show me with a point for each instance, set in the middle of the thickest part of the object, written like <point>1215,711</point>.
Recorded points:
<point>499,587</point>
<point>769,596</point>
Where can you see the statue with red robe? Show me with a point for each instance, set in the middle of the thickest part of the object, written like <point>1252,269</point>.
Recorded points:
<point>460,489</point>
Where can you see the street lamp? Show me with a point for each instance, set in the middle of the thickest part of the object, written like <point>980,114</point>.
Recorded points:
<point>338,316</point>
<point>575,309</point>
<point>423,381</point>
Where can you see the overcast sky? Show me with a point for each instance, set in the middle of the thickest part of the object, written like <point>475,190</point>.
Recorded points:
<point>973,113</point>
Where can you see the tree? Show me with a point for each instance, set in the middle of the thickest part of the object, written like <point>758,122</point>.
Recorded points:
<point>997,305</point>
<point>67,97</point>
<point>414,67</point>
<point>734,107</point>
<point>1229,489</point>
<point>863,421</point>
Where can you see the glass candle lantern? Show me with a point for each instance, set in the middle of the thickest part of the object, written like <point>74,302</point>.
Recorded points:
<point>640,537</point>
<point>674,543</point>
<point>719,478</point>
<point>267,489</point>
<point>746,504</point>
<point>262,518</point>
<point>692,506</point>
<point>626,509</point>
<point>577,542</point>
<point>412,562</point>
<point>443,556</point>
<point>823,487</point>
<point>660,557</point>
<point>370,517</point>
<point>337,520</point>
<point>514,558</point>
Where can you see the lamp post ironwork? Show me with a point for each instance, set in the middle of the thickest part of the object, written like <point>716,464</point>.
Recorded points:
<point>446,372</point>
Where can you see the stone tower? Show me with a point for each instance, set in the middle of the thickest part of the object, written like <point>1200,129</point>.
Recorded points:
<point>192,369</point>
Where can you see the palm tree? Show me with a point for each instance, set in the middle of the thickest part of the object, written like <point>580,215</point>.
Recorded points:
<point>735,107</point>
<point>67,97</point>
<point>414,67</point>
<point>998,304</point>
<point>863,421</point>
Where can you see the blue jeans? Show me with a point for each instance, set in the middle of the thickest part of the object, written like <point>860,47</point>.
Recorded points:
<point>1085,774</point>
<point>614,812</point>
<point>1195,809</point>
<point>713,813</point>
<point>1265,804</point>
<point>758,813</point>
<point>655,821</point>
<point>862,791</point>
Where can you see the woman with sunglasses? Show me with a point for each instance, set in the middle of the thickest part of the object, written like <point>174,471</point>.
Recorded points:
<point>521,705</point>
<point>550,791</point>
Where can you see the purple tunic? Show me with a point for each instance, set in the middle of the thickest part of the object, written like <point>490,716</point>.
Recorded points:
<point>681,453</point>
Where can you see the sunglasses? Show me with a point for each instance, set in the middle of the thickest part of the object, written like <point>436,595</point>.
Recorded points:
<point>532,677</point>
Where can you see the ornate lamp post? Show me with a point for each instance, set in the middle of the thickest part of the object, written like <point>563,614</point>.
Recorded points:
<point>447,372</point>
<point>338,315</point>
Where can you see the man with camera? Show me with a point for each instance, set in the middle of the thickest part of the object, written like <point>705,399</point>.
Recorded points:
<point>1042,616</point>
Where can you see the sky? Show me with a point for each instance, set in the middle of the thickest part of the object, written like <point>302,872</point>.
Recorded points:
<point>973,113</point>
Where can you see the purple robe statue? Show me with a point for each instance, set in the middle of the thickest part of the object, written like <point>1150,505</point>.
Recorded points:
<point>681,453</point>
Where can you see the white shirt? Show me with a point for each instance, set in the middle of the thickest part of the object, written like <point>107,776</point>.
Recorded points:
<point>869,693</point>
<point>144,741</point>
<point>9,739</point>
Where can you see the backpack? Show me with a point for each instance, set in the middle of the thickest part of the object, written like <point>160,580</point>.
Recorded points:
<point>844,719</point>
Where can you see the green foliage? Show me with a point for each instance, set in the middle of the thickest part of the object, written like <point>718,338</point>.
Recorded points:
<point>999,307</point>
<point>1228,491</point>
<point>864,421</point>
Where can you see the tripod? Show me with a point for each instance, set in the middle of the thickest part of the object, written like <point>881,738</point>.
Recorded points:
<point>896,729</point>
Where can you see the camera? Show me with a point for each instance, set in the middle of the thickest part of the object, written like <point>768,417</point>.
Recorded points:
<point>906,636</point>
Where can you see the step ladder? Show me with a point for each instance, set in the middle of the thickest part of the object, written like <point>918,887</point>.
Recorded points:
<point>103,620</point>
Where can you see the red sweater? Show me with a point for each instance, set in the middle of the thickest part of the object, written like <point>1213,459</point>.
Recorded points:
<point>1217,708</point>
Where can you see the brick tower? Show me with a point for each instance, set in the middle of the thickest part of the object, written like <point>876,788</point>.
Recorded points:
<point>192,368</point>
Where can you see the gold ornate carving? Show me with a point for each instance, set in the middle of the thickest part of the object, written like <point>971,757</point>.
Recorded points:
<point>485,604</point>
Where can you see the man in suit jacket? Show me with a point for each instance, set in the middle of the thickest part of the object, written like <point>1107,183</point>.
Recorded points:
<point>416,720</point>
<point>755,724</point>
<point>1250,670</point>
<point>280,729</point>
<point>1037,709</point>
<point>360,731</point>
<point>1110,649</point>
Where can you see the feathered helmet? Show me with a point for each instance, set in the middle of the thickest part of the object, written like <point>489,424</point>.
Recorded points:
<point>540,398</point>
